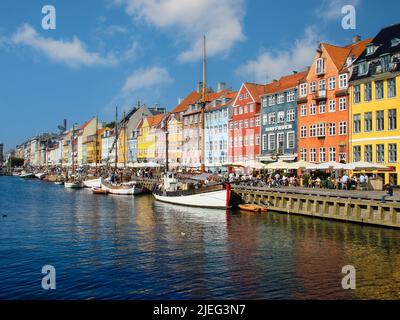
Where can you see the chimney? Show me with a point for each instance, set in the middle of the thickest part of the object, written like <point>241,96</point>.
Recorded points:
<point>180,100</point>
<point>295,72</point>
<point>221,86</point>
<point>199,87</point>
<point>356,39</point>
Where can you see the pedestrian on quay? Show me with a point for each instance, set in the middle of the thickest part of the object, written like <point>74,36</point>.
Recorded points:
<point>389,192</point>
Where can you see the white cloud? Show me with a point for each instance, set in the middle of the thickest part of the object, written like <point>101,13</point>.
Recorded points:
<point>271,65</point>
<point>332,9</point>
<point>143,84</point>
<point>188,21</point>
<point>72,53</point>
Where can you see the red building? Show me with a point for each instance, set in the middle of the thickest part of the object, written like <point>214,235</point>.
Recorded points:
<point>245,123</point>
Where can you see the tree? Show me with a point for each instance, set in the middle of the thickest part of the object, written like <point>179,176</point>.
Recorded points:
<point>16,162</point>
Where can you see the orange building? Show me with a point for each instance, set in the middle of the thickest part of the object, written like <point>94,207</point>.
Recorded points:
<point>323,104</point>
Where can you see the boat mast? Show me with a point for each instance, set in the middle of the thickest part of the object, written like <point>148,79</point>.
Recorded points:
<point>73,149</point>
<point>203,105</point>
<point>166,145</point>
<point>95,143</point>
<point>116,138</point>
<point>125,140</point>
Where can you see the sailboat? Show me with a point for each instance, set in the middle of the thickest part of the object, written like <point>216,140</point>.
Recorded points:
<point>210,195</point>
<point>124,189</point>
<point>74,184</point>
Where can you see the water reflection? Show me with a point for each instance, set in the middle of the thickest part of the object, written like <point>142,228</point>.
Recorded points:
<point>111,247</point>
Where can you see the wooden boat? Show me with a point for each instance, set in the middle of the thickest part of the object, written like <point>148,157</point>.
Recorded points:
<point>99,191</point>
<point>214,196</point>
<point>127,189</point>
<point>252,208</point>
<point>73,185</point>
<point>59,183</point>
<point>93,183</point>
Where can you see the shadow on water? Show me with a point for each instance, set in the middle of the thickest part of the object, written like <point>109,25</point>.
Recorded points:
<point>112,247</point>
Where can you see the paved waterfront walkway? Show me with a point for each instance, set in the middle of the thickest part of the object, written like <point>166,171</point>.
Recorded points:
<point>367,195</point>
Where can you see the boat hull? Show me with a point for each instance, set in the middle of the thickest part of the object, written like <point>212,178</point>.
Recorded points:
<point>94,183</point>
<point>213,199</point>
<point>122,191</point>
<point>73,185</point>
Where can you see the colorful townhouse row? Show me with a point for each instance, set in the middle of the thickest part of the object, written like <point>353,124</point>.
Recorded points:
<point>342,108</point>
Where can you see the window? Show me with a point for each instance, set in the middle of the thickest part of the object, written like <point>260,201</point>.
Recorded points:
<point>393,152</point>
<point>264,102</point>
<point>264,142</point>
<point>246,124</point>
<point>313,130</point>
<point>235,111</point>
<point>332,105</point>
<point>380,120</point>
<point>281,116</point>
<point>236,125</point>
<point>342,157</point>
<point>303,110</point>
<point>246,141</point>
<point>313,87</point>
<point>272,118</point>
<point>343,81</point>
<point>320,130</point>
<point>322,107</point>
<point>332,154</point>
<point>265,119</point>
<point>368,153</point>
<point>392,119</point>
<point>313,155</point>
<point>240,124</point>
<point>240,141</point>
<point>290,140</point>
<point>281,140</point>
<point>240,110</point>
<point>272,100</point>
<point>342,128</point>
<point>258,121</point>
<point>241,97</point>
<point>271,141</point>
<point>380,153</point>
<point>246,109</point>
<point>303,154</point>
<point>342,104</point>
<point>320,66</point>
<point>303,89</point>
<point>290,96</point>
<point>303,132</point>
<point>290,115</point>
<point>322,85</point>
<point>363,68</point>
<point>257,140</point>
<point>281,98</point>
<point>368,92</point>
<point>357,153</point>
<point>332,83</point>
<point>251,123</point>
<point>322,157</point>
<point>368,122</point>
<point>313,109</point>
<point>332,129</point>
<point>379,89</point>
<point>370,49</point>
<point>357,123</point>
<point>357,94</point>
<point>252,107</point>
<point>391,88</point>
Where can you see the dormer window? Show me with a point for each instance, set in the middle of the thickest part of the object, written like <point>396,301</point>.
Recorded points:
<point>395,42</point>
<point>371,49</point>
<point>320,66</point>
<point>362,68</point>
<point>349,61</point>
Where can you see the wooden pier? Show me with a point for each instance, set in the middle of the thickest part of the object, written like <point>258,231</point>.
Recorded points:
<point>359,207</point>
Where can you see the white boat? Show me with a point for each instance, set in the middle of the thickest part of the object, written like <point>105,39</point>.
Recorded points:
<point>27,176</point>
<point>94,183</point>
<point>213,196</point>
<point>73,185</point>
<point>122,189</point>
<point>40,176</point>
<point>59,183</point>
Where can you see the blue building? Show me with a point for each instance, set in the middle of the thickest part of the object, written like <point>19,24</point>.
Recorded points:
<point>217,116</point>
<point>279,119</point>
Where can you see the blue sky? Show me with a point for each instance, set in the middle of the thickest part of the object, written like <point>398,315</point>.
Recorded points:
<point>115,52</point>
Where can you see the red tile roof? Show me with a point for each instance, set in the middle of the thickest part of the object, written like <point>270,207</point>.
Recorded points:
<point>184,105</point>
<point>286,82</point>
<point>155,120</point>
<point>256,90</point>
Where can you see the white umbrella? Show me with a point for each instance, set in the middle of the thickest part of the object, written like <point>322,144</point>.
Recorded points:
<point>298,165</point>
<point>364,166</point>
<point>332,165</point>
<point>254,165</point>
<point>279,165</point>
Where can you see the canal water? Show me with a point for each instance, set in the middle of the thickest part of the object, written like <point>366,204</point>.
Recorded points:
<point>110,247</point>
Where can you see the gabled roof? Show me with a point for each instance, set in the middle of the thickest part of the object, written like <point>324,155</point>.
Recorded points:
<point>86,124</point>
<point>339,55</point>
<point>229,96</point>
<point>256,90</point>
<point>155,120</point>
<point>286,82</point>
<point>184,105</point>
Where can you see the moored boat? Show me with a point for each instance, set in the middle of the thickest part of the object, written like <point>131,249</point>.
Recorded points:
<point>126,189</point>
<point>252,208</point>
<point>99,191</point>
<point>93,183</point>
<point>215,195</point>
<point>73,185</point>
<point>27,175</point>
<point>40,176</point>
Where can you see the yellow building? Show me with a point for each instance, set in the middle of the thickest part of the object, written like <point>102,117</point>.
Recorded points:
<point>147,138</point>
<point>175,141</point>
<point>92,148</point>
<point>375,104</point>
